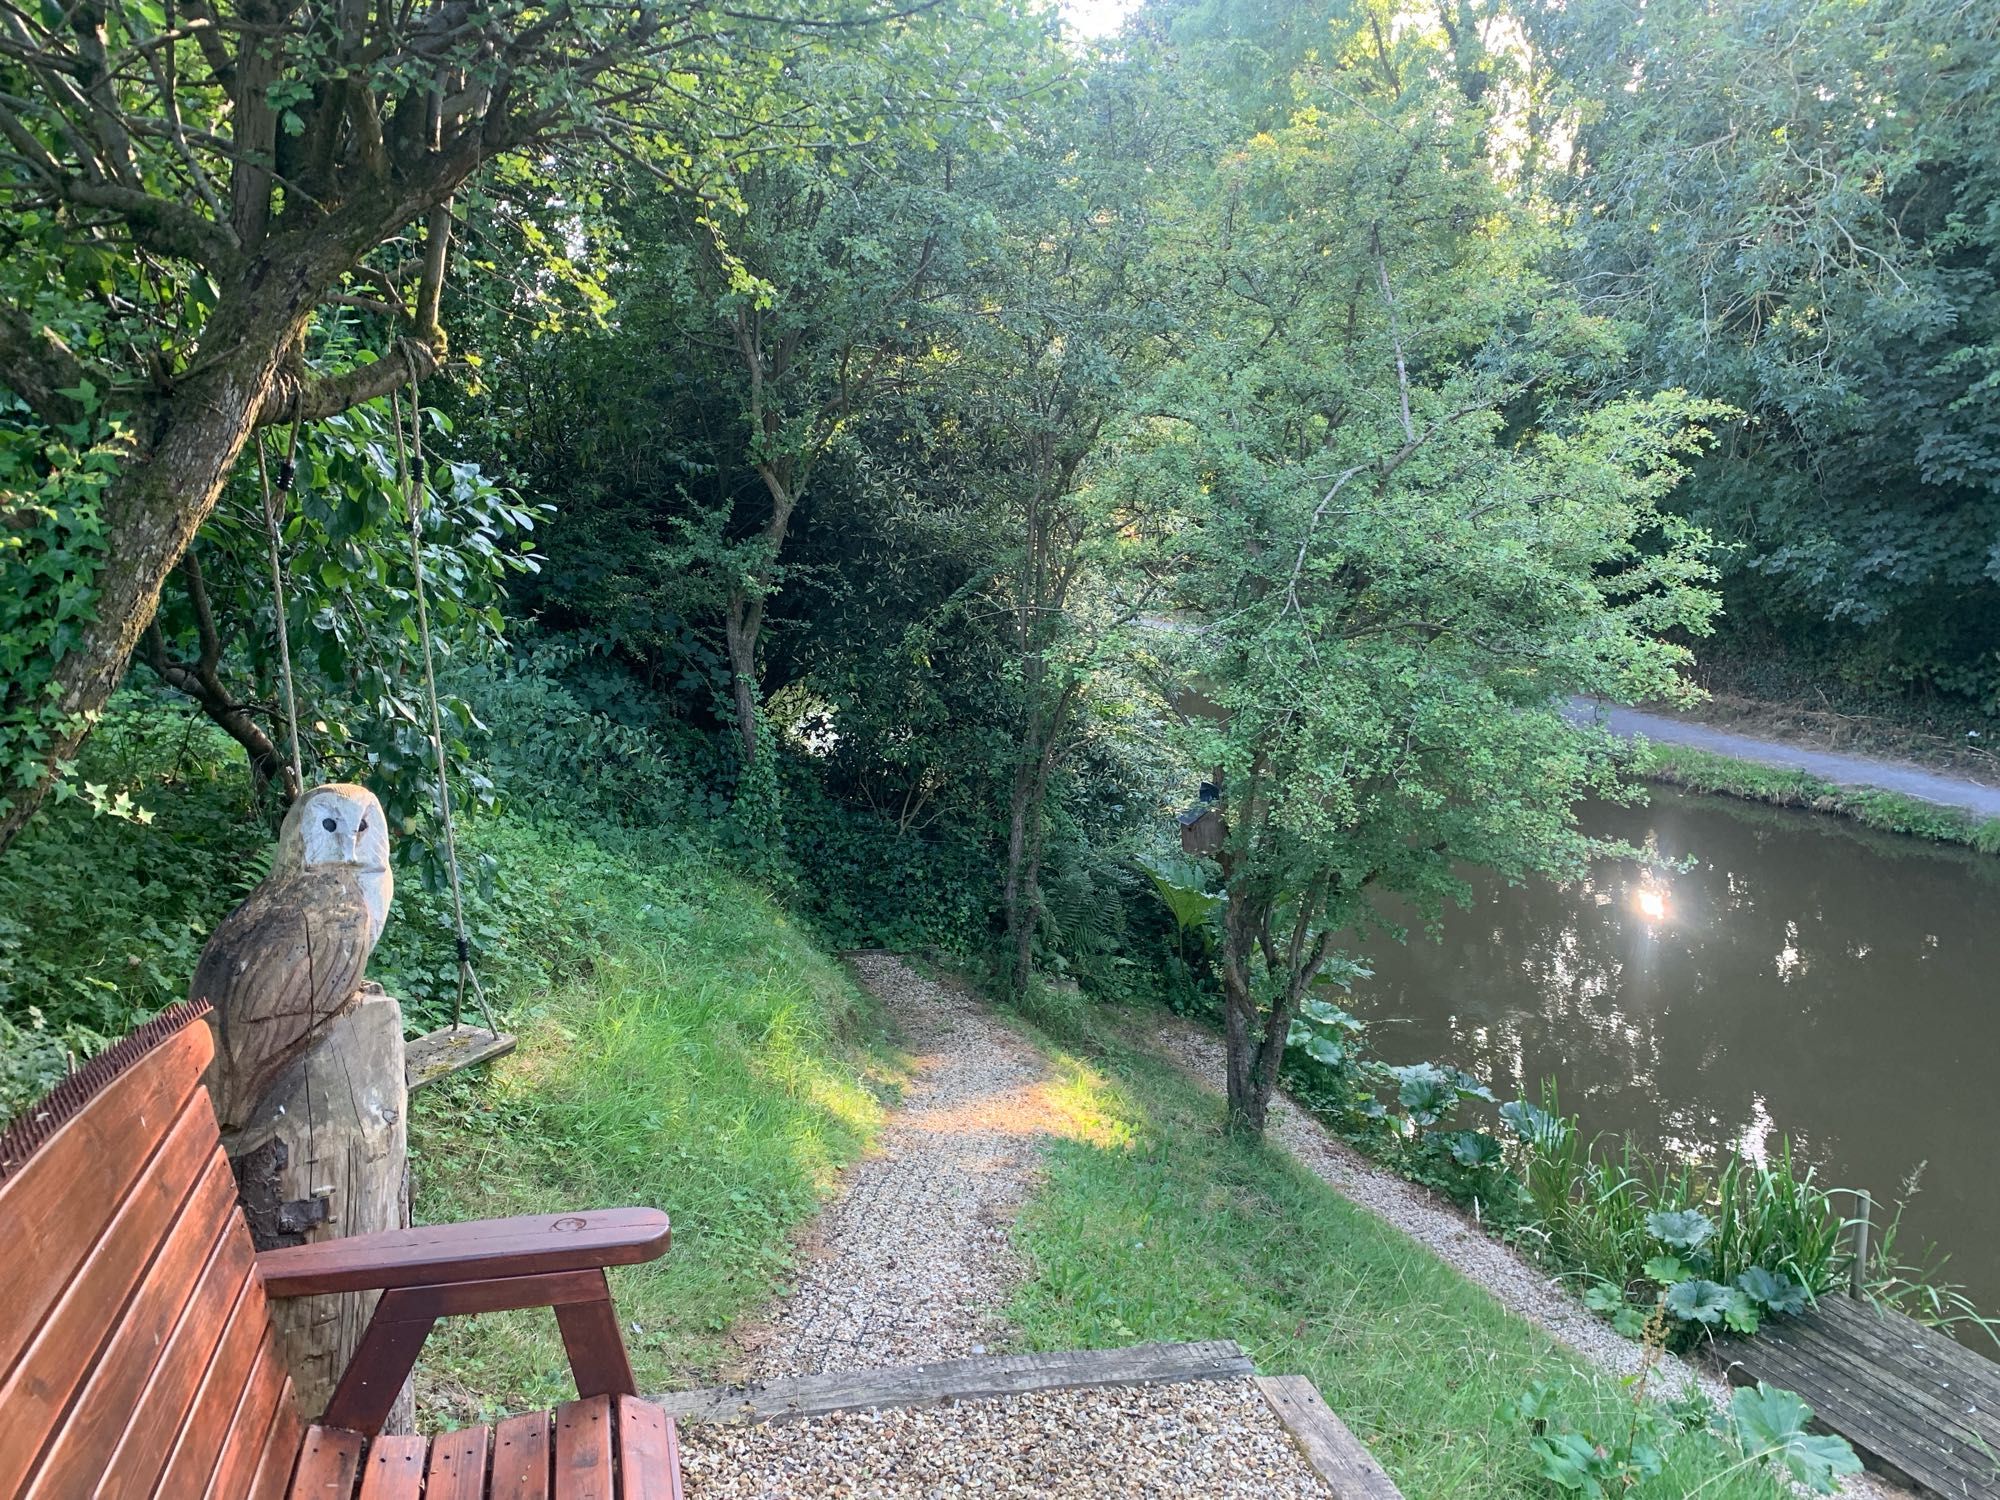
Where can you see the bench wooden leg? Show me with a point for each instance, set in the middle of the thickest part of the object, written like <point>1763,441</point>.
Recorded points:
<point>405,1315</point>
<point>382,1362</point>
<point>596,1348</point>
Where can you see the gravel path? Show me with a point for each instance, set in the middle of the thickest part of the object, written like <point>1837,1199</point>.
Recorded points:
<point>1843,770</point>
<point>1216,1439</point>
<point>912,1263</point>
<point>1518,1284</point>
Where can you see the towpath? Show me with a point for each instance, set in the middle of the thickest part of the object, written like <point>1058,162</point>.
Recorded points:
<point>1843,770</point>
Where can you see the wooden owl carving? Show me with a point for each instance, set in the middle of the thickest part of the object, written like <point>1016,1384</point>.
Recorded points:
<point>289,959</point>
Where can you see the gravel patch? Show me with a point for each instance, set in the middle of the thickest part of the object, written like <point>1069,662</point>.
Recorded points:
<point>912,1262</point>
<point>1517,1282</point>
<point>1217,1439</point>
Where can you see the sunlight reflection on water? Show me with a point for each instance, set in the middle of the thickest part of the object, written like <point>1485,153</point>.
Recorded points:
<point>1795,976</point>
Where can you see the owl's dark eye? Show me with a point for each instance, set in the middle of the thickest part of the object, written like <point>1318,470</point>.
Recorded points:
<point>331,825</point>
<point>363,828</point>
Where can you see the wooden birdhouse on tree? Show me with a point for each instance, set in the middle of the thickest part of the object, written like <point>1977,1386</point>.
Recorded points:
<point>1202,829</point>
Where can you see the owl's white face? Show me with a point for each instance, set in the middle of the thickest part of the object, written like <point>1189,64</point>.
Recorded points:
<point>343,824</point>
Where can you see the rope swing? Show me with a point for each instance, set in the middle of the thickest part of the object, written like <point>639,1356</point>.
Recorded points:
<point>410,471</point>
<point>410,479</point>
<point>271,531</point>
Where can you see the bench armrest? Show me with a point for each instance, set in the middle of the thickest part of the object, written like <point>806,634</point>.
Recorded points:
<point>483,1250</point>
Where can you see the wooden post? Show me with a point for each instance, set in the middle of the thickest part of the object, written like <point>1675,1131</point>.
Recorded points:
<point>323,1157</point>
<point>1857,1280</point>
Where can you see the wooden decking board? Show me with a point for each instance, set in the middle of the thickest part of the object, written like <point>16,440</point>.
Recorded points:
<point>1878,1387</point>
<point>1836,1409</point>
<point>1925,1349</point>
<point>1962,1377</point>
<point>960,1380</point>
<point>1931,1414</point>
<point>1863,1399</point>
<point>1917,1407</point>
<point>1918,1397</point>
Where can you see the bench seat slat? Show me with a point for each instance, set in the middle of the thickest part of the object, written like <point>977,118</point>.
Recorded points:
<point>584,1468</point>
<point>328,1465</point>
<point>605,1448</point>
<point>649,1453</point>
<point>521,1458</point>
<point>457,1467</point>
<point>394,1469</point>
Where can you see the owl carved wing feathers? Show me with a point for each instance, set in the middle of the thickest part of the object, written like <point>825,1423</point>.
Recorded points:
<point>278,970</point>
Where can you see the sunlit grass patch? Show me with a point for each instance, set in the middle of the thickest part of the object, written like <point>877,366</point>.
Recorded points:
<point>706,1062</point>
<point>1178,1231</point>
<point>1088,1105</point>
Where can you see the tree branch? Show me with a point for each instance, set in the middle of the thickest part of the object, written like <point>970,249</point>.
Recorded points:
<point>214,47</point>
<point>313,400</point>
<point>430,288</point>
<point>158,224</point>
<point>234,718</point>
<point>1395,337</point>
<point>39,366</point>
<point>25,141</point>
<point>210,664</point>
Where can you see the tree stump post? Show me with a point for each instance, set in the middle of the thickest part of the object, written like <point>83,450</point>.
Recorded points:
<point>325,1156</point>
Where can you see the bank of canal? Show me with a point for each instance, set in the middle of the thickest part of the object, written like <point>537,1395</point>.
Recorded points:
<point>1802,977</point>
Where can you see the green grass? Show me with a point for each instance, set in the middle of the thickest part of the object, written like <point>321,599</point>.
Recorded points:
<point>703,1056</point>
<point>1889,812</point>
<point>1156,1225</point>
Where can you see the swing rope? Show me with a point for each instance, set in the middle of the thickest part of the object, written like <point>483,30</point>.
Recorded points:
<point>412,475</point>
<point>286,470</point>
<point>410,478</point>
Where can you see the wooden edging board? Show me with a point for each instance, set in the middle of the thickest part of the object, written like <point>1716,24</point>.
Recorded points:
<point>1336,1455</point>
<point>959,1380</point>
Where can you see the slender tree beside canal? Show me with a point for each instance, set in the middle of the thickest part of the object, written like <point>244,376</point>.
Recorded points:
<point>1409,529</point>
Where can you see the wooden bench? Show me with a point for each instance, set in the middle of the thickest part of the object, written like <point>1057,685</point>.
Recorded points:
<point>137,1354</point>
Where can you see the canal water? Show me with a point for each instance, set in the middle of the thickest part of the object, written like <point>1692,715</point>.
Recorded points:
<point>1801,977</point>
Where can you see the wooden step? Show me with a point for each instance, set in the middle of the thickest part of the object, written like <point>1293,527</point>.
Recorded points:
<point>960,1380</point>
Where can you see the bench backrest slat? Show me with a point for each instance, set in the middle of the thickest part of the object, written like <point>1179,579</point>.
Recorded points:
<point>136,1348</point>
<point>60,1201</point>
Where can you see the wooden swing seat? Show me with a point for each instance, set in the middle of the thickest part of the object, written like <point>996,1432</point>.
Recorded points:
<point>137,1352</point>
